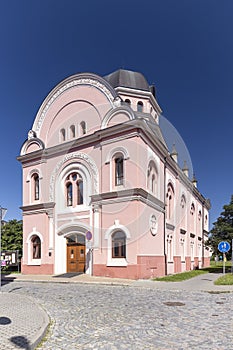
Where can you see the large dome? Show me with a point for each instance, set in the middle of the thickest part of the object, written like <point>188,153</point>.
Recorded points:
<point>127,78</point>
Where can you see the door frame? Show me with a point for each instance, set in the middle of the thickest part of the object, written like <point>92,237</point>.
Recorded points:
<point>79,240</point>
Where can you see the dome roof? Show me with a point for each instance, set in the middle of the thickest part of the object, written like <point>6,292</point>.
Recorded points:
<point>127,78</point>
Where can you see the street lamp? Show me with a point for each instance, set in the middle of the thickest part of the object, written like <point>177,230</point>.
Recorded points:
<point>2,215</point>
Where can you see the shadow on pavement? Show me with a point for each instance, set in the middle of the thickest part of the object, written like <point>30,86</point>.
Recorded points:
<point>6,278</point>
<point>217,269</point>
<point>5,320</point>
<point>21,342</point>
<point>68,275</point>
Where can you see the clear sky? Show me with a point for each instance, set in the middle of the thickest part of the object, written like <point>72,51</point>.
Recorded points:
<point>184,47</point>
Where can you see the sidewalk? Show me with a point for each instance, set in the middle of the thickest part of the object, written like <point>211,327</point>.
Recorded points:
<point>203,282</point>
<point>23,323</point>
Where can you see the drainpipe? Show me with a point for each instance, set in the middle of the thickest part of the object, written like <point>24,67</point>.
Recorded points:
<point>164,224</point>
<point>203,248</point>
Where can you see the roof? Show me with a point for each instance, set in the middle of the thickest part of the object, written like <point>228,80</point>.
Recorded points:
<point>129,79</point>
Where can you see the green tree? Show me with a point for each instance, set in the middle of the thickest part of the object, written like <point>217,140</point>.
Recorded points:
<point>222,229</point>
<point>12,235</point>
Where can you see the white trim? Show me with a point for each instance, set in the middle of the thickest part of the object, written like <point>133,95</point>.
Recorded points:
<point>30,142</point>
<point>32,261</point>
<point>75,161</point>
<point>108,235</point>
<point>119,149</point>
<point>127,111</point>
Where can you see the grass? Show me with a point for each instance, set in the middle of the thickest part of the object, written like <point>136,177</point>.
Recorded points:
<point>226,279</point>
<point>180,276</point>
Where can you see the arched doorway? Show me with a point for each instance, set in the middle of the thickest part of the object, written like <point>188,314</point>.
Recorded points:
<point>76,253</point>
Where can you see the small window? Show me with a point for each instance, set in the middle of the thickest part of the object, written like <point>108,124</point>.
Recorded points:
<point>72,131</point>
<point>192,209</point>
<point>118,245</point>
<point>36,247</point>
<point>152,178</point>
<point>80,191</point>
<point>69,194</point>
<point>36,186</point>
<point>63,134</point>
<point>140,106</point>
<point>83,128</point>
<point>199,215</point>
<point>128,102</point>
<point>182,202</point>
<point>119,171</point>
<point>170,201</point>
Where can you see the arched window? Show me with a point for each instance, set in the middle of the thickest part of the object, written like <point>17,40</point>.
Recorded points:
<point>118,244</point>
<point>140,106</point>
<point>72,131</point>
<point>74,189</point>
<point>183,202</point>
<point>63,134</point>
<point>199,215</point>
<point>80,191</point>
<point>36,247</point>
<point>69,194</point>
<point>192,209</point>
<point>119,170</point>
<point>170,201</point>
<point>83,128</point>
<point>36,186</point>
<point>152,178</point>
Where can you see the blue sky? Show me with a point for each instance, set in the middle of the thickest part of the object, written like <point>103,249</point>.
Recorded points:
<point>184,47</point>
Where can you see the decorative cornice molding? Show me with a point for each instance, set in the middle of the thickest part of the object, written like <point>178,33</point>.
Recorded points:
<point>38,208</point>
<point>126,196</point>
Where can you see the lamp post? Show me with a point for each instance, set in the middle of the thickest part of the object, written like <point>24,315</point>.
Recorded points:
<point>2,215</point>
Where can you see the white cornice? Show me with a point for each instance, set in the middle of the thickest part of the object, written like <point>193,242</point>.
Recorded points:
<point>71,82</point>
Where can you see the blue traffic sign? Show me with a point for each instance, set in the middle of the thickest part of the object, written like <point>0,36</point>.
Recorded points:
<point>224,247</point>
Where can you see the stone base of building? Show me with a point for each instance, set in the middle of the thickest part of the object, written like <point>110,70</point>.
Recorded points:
<point>45,269</point>
<point>188,263</point>
<point>206,262</point>
<point>146,267</point>
<point>177,264</point>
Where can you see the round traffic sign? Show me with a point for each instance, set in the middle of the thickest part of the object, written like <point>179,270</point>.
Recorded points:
<point>224,247</point>
<point>88,235</point>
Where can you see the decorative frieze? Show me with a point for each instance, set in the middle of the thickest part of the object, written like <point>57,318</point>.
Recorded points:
<point>71,84</point>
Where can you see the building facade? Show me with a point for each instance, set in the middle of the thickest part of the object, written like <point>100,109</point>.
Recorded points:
<point>102,195</point>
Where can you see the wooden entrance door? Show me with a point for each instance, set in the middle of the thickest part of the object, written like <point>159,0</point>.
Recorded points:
<point>75,258</point>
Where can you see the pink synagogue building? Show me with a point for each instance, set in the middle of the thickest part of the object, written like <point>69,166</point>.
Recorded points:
<point>102,195</point>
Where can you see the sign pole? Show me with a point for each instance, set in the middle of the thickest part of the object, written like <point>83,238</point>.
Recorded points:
<point>2,215</point>
<point>232,256</point>
<point>223,267</point>
<point>224,247</point>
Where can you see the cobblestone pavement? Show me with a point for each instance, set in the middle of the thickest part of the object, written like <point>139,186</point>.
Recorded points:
<point>85,316</point>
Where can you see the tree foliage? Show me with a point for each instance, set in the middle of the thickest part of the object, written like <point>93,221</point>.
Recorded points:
<point>222,230</point>
<point>12,235</point>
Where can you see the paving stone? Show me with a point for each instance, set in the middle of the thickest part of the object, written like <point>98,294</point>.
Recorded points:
<point>109,317</point>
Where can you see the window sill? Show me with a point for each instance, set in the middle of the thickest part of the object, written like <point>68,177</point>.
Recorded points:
<point>117,262</point>
<point>35,262</point>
